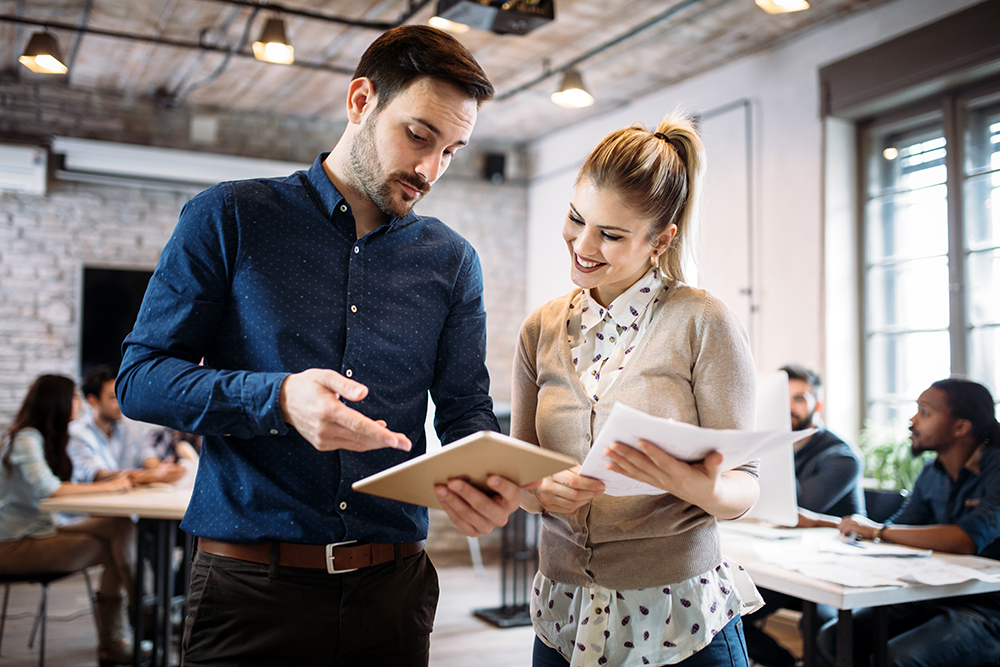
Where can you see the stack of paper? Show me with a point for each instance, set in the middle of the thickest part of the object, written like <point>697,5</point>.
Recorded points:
<point>682,441</point>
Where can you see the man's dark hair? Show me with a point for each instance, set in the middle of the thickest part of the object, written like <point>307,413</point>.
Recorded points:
<point>972,401</point>
<point>804,373</point>
<point>402,54</point>
<point>95,378</point>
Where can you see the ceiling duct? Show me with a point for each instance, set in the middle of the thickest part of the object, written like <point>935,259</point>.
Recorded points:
<point>504,17</point>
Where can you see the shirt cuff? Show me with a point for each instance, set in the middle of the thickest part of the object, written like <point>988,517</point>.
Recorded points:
<point>262,402</point>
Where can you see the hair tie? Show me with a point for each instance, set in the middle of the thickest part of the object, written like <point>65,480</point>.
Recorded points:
<point>678,146</point>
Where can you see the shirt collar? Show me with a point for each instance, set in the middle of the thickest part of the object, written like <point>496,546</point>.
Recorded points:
<point>329,197</point>
<point>627,308</point>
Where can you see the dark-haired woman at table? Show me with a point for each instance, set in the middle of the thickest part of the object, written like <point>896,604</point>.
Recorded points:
<point>34,465</point>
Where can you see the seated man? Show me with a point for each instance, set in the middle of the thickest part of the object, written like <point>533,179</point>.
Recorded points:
<point>828,486</point>
<point>955,507</point>
<point>103,444</point>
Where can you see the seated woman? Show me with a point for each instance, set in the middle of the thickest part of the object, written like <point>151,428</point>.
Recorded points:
<point>33,466</point>
<point>636,580</point>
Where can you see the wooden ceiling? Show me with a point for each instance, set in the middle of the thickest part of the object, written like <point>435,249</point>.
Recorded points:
<point>632,47</point>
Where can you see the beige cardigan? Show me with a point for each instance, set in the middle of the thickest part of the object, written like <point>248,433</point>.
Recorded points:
<point>694,365</point>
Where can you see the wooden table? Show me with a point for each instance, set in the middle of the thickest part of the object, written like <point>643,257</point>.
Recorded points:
<point>845,598</point>
<point>160,509</point>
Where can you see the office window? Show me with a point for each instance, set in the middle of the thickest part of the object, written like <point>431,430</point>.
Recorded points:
<point>931,251</point>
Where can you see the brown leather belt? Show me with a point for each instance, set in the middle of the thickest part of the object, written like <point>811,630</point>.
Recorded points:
<point>330,557</point>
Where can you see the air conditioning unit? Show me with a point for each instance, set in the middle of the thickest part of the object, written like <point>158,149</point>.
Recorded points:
<point>103,161</point>
<point>23,169</point>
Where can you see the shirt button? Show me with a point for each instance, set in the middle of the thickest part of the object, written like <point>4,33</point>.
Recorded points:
<point>354,309</point>
<point>343,505</point>
<point>587,437</point>
<point>274,431</point>
<point>349,373</point>
<point>343,208</point>
<point>356,250</point>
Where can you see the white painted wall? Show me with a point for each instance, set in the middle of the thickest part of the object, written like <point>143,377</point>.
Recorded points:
<point>782,84</point>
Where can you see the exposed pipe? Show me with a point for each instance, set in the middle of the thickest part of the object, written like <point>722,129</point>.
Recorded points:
<point>165,41</point>
<point>182,94</point>
<point>415,6</point>
<point>676,9</point>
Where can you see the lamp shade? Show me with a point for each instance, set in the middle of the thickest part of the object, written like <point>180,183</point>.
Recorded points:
<point>273,46</point>
<point>572,94</point>
<point>42,55</point>
<point>782,6</point>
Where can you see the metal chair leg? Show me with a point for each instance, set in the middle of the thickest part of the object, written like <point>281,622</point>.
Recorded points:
<point>45,616</point>
<point>3,614</point>
<point>38,616</point>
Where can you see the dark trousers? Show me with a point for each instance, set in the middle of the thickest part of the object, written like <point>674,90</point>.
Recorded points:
<point>248,614</point>
<point>725,650</point>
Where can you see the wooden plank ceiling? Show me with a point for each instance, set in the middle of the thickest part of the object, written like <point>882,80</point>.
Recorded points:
<point>672,40</point>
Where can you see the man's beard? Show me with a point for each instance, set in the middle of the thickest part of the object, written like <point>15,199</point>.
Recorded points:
<point>370,178</point>
<point>805,423</point>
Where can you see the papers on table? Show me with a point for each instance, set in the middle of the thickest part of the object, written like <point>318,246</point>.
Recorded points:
<point>821,554</point>
<point>683,441</point>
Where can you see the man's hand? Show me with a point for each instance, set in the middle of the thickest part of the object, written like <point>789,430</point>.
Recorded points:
<point>310,403</point>
<point>859,525</point>
<point>165,473</point>
<point>567,491</point>
<point>474,512</point>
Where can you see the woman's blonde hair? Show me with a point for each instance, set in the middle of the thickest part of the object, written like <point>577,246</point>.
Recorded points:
<point>659,175</point>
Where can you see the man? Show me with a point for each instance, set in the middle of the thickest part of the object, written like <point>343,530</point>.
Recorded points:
<point>955,507</point>
<point>827,470</point>
<point>828,486</point>
<point>299,293</point>
<point>103,445</point>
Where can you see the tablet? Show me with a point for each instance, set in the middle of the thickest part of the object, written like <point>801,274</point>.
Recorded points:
<point>473,458</point>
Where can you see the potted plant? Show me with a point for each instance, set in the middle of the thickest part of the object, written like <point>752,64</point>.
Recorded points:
<point>890,468</point>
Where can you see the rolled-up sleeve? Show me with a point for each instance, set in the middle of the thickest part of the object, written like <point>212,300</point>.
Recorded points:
<point>29,457</point>
<point>982,524</point>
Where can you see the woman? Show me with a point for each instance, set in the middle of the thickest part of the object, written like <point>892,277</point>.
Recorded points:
<point>35,465</point>
<point>636,580</point>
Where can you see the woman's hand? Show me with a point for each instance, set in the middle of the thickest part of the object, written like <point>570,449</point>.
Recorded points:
<point>725,495</point>
<point>567,491</point>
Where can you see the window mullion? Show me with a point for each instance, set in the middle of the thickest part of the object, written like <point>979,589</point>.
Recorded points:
<point>954,127</point>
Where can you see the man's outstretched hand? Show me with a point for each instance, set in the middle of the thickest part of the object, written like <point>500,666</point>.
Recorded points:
<point>310,403</point>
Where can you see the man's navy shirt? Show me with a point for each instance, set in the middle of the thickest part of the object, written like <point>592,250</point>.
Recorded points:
<point>972,502</point>
<point>267,277</point>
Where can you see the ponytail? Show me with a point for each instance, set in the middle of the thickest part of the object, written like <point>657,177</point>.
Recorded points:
<point>658,175</point>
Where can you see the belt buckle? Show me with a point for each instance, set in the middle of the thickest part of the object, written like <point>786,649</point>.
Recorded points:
<point>329,557</point>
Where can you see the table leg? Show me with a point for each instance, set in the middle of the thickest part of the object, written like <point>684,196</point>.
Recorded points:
<point>809,633</point>
<point>137,595</point>
<point>161,648</point>
<point>845,638</point>
<point>881,619</point>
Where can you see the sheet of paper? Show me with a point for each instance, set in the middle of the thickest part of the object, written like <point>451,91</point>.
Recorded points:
<point>817,556</point>
<point>683,441</point>
<point>847,547</point>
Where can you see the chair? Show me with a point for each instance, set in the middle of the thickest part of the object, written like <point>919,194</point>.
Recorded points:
<point>43,578</point>
<point>880,505</point>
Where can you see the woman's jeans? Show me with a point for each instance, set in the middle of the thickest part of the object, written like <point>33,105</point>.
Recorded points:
<point>727,649</point>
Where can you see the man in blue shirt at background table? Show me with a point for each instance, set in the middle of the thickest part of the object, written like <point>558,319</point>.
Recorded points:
<point>954,507</point>
<point>299,292</point>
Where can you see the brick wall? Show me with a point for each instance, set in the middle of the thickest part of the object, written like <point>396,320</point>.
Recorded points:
<point>45,241</point>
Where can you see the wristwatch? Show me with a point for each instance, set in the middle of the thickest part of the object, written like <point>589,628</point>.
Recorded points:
<point>877,536</point>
